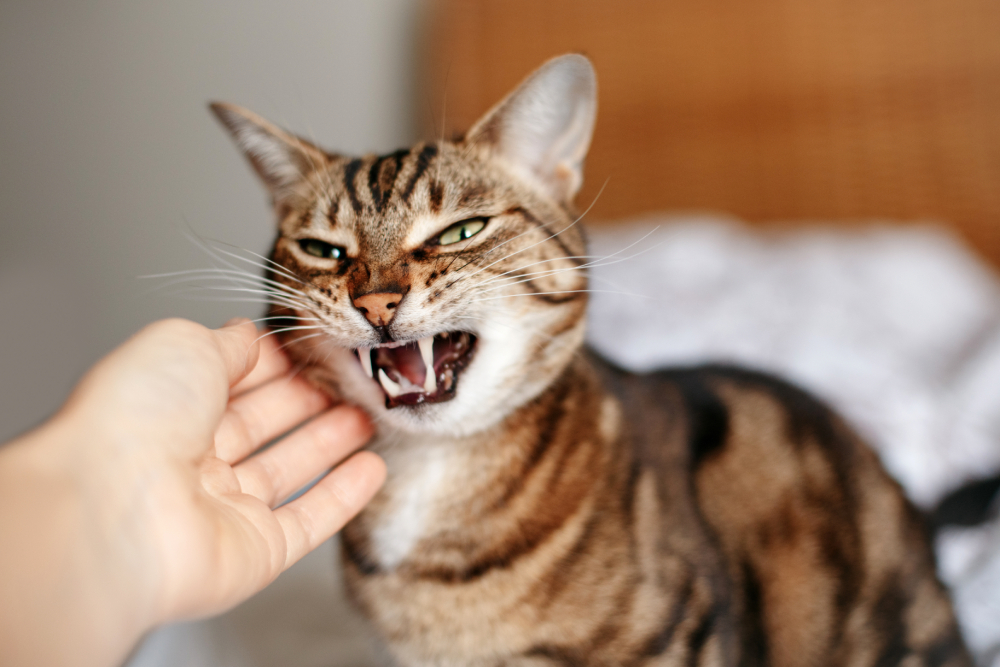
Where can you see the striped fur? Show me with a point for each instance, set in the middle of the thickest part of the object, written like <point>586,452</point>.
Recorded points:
<point>558,511</point>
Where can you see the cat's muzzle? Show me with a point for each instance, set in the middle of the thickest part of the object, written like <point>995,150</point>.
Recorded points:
<point>422,371</point>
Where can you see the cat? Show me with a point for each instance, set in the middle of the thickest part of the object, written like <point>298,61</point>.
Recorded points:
<point>543,507</point>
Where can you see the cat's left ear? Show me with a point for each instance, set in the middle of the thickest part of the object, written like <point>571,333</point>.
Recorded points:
<point>543,128</point>
<point>281,159</point>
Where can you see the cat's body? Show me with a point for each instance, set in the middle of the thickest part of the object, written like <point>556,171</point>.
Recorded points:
<point>707,516</point>
<point>541,507</point>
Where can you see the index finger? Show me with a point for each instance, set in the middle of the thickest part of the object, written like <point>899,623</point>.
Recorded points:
<point>271,363</point>
<point>238,345</point>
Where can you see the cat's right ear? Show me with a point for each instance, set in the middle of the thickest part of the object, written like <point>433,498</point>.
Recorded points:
<point>543,129</point>
<point>281,159</point>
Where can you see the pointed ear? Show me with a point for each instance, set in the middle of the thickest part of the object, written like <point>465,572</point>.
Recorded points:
<point>543,128</point>
<point>281,159</point>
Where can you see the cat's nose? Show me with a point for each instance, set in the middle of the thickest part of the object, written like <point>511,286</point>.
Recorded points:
<point>378,307</point>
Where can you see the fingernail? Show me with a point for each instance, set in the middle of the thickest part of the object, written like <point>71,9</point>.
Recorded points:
<point>235,322</point>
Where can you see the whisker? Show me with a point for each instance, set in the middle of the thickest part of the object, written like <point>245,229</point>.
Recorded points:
<point>299,339</point>
<point>195,238</point>
<point>571,291</point>
<point>263,290</point>
<point>598,262</point>
<point>508,325</point>
<point>287,329</point>
<point>227,274</point>
<point>501,276</point>
<point>265,298</point>
<point>286,317</point>
<point>284,271</point>
<point>548,238</point>
<point>590,265</point>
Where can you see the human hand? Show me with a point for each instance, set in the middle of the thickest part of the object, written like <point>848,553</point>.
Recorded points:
<point>163,512</point>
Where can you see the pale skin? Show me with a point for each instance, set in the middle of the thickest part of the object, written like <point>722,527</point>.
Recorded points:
<point>139,502</point>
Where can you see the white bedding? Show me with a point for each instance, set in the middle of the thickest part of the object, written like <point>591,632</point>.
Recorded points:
<point>899,328</point>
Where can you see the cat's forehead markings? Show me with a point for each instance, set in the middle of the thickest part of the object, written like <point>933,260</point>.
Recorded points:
<point>323,213</point>
<point>422,228</point>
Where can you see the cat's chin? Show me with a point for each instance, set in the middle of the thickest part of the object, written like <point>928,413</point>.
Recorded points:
<point>419,372</point>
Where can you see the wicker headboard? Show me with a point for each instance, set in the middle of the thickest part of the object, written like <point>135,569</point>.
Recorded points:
<point>773,110</point>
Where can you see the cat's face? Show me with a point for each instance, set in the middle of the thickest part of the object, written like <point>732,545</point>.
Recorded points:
<point>437,287</point>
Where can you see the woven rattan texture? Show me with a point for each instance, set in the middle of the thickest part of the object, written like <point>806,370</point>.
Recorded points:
<point>773,110</point>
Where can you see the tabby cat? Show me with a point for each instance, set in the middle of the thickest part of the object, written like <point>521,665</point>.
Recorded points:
<point>543,507</point>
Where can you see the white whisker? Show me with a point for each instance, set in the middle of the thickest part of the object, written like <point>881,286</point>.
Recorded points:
<point>571,291</point>
<point>224,274</point>
<point>272,332</point>
<point>264,298</point>
<point>598,263</point>
<point>284,271</point>
<point>263,291</point>
<point>548,238</point>
<point>286,317</point>
<point>300,339</point>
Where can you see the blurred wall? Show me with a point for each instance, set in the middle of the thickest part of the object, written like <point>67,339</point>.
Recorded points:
<point>107,150</point>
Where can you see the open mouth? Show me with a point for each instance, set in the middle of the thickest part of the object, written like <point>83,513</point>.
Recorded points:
<point>423,371</point>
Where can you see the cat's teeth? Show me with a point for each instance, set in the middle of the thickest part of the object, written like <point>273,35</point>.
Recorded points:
<point>366,360</point>
<point>427,353</point>
<point>390,387</point>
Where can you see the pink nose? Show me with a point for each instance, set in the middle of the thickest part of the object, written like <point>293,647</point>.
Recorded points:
<point>379,307</point>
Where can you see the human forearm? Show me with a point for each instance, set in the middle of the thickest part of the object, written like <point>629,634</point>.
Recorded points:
<point>67,598</point>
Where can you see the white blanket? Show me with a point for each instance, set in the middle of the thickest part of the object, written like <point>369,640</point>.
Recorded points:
<point>898,328</point>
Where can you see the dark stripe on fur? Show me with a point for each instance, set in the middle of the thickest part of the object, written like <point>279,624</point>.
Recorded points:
<point>528,217</point>
<point>350,172</point>
<point>888,623</point>
<point>659,642</point>
<point>547,425</point>
<point>382,177</point>
<point>948,649</point>
<point>753,638</point>
<point>423,161</point>
<point>474,196</point>
<point>806,415</point>
<point>356,555</point>
<point>436,196</point>
<point>558,655</point>
<point>708,417</point>
<point>331,215</point>
<point>562,575</point>
<point>533,531</point>
<point>699,637</point>
<point>520,542</point>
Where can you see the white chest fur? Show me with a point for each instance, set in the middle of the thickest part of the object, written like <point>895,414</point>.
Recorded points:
<point>419,472</point>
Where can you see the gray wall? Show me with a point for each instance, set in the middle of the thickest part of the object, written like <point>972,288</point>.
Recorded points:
<point>107,150</point>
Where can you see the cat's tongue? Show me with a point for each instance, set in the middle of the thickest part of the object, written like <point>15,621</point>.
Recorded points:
<point>421,372</point>
<point>404,364</point>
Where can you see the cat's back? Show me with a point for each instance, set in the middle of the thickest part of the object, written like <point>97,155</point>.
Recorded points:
<point>819,557</point>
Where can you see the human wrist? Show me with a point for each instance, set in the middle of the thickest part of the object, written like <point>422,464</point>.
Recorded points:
<point>71,601</point>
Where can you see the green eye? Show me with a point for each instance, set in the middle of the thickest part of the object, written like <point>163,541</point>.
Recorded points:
<point>461,231</point>
<point>322,249</point>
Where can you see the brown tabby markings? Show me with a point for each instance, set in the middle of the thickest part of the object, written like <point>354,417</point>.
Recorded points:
<point>742,524</point>
<point>559,511</point>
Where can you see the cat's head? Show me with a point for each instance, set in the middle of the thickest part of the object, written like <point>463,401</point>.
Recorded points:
<point>464,256</point>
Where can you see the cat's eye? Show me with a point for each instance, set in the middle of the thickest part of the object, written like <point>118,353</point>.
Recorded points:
<point>321,249</point>
<point>460,231</point>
